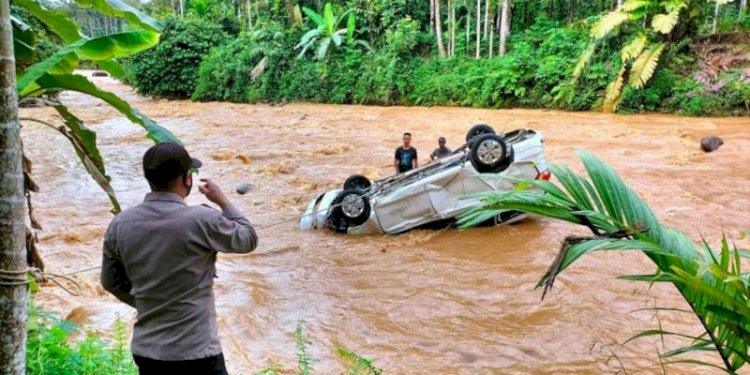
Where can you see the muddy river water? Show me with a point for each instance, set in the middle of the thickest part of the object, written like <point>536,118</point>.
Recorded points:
<point>425,302</point>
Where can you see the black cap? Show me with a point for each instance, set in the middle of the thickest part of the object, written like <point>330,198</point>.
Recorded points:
<point>164,162</point>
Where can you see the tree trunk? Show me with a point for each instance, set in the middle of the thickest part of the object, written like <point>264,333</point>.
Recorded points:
<point>468,37</point>
<point>743,7</point>
<point>571,10</point>
<point>492,37</point>
<point>432,15</point>
<point>619,4</point>
<point>439,29</point>
<point>13,289</point>
<point>453,27</point>
<point>504,27</point>
<point>479,29</point>
<point>182,8</point>
<point>249,14</point>
<point>716,18</point>
<point>486,18</point>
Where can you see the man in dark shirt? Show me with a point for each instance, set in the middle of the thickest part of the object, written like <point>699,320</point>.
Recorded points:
<point>441,151</point>
<point>405,158</point>
<point>160,258</point>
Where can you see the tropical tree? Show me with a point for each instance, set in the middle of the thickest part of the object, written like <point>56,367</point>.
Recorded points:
<point>12,240</point>
<point>327,34</point>
<point>649,26</point>
<point>712,283</point>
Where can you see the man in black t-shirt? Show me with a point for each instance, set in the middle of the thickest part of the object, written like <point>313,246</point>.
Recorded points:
<point>405,158</point>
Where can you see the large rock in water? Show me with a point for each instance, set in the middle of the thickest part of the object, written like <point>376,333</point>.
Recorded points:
<point>244,188</point>
<point>712,143</point>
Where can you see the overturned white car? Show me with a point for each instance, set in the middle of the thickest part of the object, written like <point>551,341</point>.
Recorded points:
<point>435,193</point>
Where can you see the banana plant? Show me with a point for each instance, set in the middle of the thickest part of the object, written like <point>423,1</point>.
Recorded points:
<point>712,283</point>
<point>327,33</point>
<point>56,73</point>
<point>648,27</point>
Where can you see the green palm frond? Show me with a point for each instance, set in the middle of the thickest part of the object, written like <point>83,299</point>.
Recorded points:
<point>609,22</point>
<point>634,48</point>
<point>644,66</point>
<point>712,283</point>
<point>664,23</point>
<point>613,93</point>
<point>583,60</point>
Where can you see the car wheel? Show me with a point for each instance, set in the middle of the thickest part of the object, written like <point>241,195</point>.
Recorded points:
<point>510,217</point>
<point>490,153</point>
<point>350,208</point>
<point>477,130</point>
<point>357,181</point>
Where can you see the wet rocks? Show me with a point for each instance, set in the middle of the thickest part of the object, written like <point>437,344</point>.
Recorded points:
<point>244,188</point>
<point>712,143</point>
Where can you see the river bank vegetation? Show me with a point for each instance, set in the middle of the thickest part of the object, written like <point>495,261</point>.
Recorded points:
<point>681,56</point>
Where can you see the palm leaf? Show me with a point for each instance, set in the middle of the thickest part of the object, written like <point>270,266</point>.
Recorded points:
<point>330,20</point>
<point>634,48</point>
<point>613,93</point>
<point>713,286</point>
<point>81,84</point>
<point>609,22</point>
<point>317,18</point>
<point>118,8</point>
<point>583,60</point>
<point>322,50</point>
<point>308,38</point>
<point>57,21</point>
<point>351,24</point>
<point>644,66</point>
<point>102,48</point>
<point>83,140</point>
<point>664,23</point>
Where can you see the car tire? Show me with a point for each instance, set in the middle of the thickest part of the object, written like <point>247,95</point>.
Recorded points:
<point>491,153</point>
<point>357,181</point>
<point>510,217</point>
<point>477,130</point>
<point>349,209</point>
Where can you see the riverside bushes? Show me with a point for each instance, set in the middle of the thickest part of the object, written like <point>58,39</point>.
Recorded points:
<point>262,65</point>
<point>170,68</point>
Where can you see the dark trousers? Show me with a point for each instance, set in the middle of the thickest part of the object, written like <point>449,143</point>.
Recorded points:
<point>206,366</point>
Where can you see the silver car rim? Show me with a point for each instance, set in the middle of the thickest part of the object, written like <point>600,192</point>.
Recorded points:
<point>490,152</point>
<point>353,205</point>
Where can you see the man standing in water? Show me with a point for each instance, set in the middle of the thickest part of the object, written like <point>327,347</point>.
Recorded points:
<point>160,257</point>
<point>441,151</point>
<point>406,156</point>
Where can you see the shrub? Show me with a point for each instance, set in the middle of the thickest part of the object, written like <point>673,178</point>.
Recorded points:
<point>171,68</point>
<point>51,349</point>
<point>227,73</point>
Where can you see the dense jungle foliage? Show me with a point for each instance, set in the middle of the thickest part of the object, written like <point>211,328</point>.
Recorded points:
<point>683,56</point>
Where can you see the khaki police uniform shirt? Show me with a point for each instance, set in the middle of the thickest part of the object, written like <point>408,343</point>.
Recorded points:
<point>160,257</point>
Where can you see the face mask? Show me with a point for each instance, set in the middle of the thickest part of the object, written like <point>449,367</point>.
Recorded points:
<point>188,187</point>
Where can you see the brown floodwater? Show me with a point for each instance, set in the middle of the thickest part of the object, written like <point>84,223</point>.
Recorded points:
<point>425,302</point>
